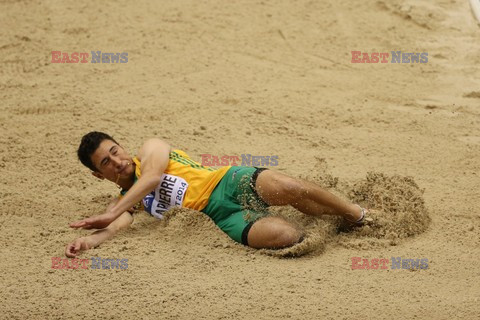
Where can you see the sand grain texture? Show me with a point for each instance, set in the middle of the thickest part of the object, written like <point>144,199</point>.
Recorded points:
<point>258,77</point>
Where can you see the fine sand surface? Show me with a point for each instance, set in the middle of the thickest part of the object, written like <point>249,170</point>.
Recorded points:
<point>230,78</point>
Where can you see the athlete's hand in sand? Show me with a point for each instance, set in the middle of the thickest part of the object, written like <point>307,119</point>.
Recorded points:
<point>73,249</point>
<point>99,236</point>
<point>96,222</point>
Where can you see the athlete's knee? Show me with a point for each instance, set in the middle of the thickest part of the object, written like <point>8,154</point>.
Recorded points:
<point>288,236</point>
<point>273,233</point>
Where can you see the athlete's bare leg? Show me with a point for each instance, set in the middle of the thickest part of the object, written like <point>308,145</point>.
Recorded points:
<point>277,189</point>
<point>273,232</point>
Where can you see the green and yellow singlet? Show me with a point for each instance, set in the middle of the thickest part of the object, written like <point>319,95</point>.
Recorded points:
<point>185,183</point>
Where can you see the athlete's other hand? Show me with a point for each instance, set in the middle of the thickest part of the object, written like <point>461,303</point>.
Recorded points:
<point>73,249</point>
<point>96,222</point>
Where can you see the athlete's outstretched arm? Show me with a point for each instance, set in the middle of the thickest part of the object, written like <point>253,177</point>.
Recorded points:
<point>95,239</point>
<point>154,156</point>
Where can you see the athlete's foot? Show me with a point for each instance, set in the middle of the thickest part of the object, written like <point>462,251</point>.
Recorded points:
<point>354,214</point>
<point>357,216</point>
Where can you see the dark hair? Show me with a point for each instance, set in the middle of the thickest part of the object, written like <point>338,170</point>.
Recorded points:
<point>89,144</point>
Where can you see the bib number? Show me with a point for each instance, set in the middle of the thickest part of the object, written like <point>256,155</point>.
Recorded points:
<point>169,193</point>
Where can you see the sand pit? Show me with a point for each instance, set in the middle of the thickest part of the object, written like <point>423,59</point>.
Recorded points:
<point>248,77</point>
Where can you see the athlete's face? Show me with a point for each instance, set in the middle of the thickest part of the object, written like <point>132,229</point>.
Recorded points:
<point>112,162</point>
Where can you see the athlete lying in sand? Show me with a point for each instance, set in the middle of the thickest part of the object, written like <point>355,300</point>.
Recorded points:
<point>160,177</point>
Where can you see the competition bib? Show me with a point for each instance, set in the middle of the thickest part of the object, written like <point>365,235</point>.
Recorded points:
<point>169,193</point>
